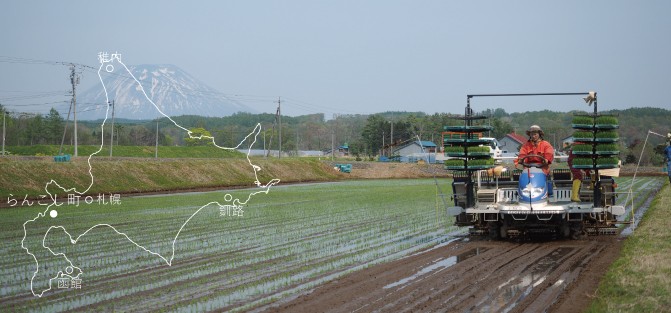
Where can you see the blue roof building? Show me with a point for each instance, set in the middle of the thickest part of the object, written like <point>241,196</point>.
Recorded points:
<point>411,151</point>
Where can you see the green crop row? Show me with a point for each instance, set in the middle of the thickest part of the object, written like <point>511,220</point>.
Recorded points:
<point>284,238</point>
<point>582,120</point>
<point>583,134</point>
<point>454,162</point>
<point>454,149</point>
<point>606,119</point>
<point>607,134</point>
<point>599,120</point>
<point>582,161</point>
<point>607,147</point>
<point>599,161</point>
<point>582,148</point>
<point>599,147</point>
<point>480,162</point>
<point>457,149</point>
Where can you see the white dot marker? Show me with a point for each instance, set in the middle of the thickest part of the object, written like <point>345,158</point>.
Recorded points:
<point>53,213</point>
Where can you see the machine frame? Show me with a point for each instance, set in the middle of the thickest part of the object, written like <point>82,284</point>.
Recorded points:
<point>520,203</point>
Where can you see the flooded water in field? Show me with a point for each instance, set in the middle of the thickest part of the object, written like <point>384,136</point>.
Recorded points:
<point>510,293</point>
<point>639,210</point>
<point>438,265</point>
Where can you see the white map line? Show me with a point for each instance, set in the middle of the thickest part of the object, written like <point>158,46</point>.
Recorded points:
<point>168,261</point>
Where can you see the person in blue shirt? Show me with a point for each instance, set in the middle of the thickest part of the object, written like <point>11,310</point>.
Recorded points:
<point>667,157</point>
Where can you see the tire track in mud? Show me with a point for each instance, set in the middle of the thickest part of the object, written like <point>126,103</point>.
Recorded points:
<point>465,276</point>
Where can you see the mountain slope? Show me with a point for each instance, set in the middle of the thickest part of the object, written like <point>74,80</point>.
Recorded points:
<point>173,90</point>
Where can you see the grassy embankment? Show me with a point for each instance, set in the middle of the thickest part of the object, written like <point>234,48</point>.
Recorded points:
<point>21,177</point>
<point>640,280</point>
<point>127,151</point>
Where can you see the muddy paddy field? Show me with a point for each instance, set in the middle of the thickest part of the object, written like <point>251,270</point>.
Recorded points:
<point>349,246</point>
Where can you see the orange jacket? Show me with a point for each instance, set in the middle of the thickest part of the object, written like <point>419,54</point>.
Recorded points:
<point>542,148</point>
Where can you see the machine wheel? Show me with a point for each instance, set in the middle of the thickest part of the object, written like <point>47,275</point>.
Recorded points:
<point>494,230</point>
<point>503,231</point>
<point>576,235</point>
<point>576,229</point>
<point>564,230</point>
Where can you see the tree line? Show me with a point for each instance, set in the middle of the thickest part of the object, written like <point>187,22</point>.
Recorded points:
<point>366,135</point>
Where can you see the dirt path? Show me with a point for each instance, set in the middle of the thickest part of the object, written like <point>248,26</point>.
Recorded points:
<point>472,276</point>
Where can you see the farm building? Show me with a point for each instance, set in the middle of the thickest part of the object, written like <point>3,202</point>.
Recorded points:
<point>412,151</point>
<point>341,151</point>
<point>411,147</point>
<point>512,142</point>
<point>566,142</point>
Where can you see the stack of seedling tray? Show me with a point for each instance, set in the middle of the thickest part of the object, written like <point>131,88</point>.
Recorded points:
<point>464,147</point>
<point>595,141</point>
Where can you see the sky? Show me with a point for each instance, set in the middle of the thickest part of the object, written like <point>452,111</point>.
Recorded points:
<point>351,56</point>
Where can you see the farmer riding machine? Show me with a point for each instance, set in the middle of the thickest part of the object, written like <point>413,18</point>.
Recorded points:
<point>503,203</point>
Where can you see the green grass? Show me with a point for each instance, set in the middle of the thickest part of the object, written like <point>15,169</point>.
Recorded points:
<point>640,280</point>
<point>29,177</point>
<point>284,239</point>
<point>128,151</point>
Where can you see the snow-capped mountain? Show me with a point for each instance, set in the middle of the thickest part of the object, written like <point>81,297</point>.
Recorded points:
<point>174,92</point>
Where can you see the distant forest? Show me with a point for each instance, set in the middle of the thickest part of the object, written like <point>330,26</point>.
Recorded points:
<point>364,134</point>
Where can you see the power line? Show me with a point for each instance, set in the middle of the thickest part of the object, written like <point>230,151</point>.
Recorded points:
<point>33,104</point>
<point>20,60</point>
<point>304,104</point>
<point>31,93</point>
<point>236,98</point>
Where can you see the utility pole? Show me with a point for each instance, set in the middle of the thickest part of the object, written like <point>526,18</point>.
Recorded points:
<point>74,80</point>
<point>272,133</point>
<point>332,145</point>
<point>156,151</point>
<point>382,150</point>
<point>279,113</point>
<point>112,135</point>
<point>264,143</point>
<point>297,141</point>
<point>554,138</point>
<point>391,139</point>
<point>65,129</point>
<point>4,115</point>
